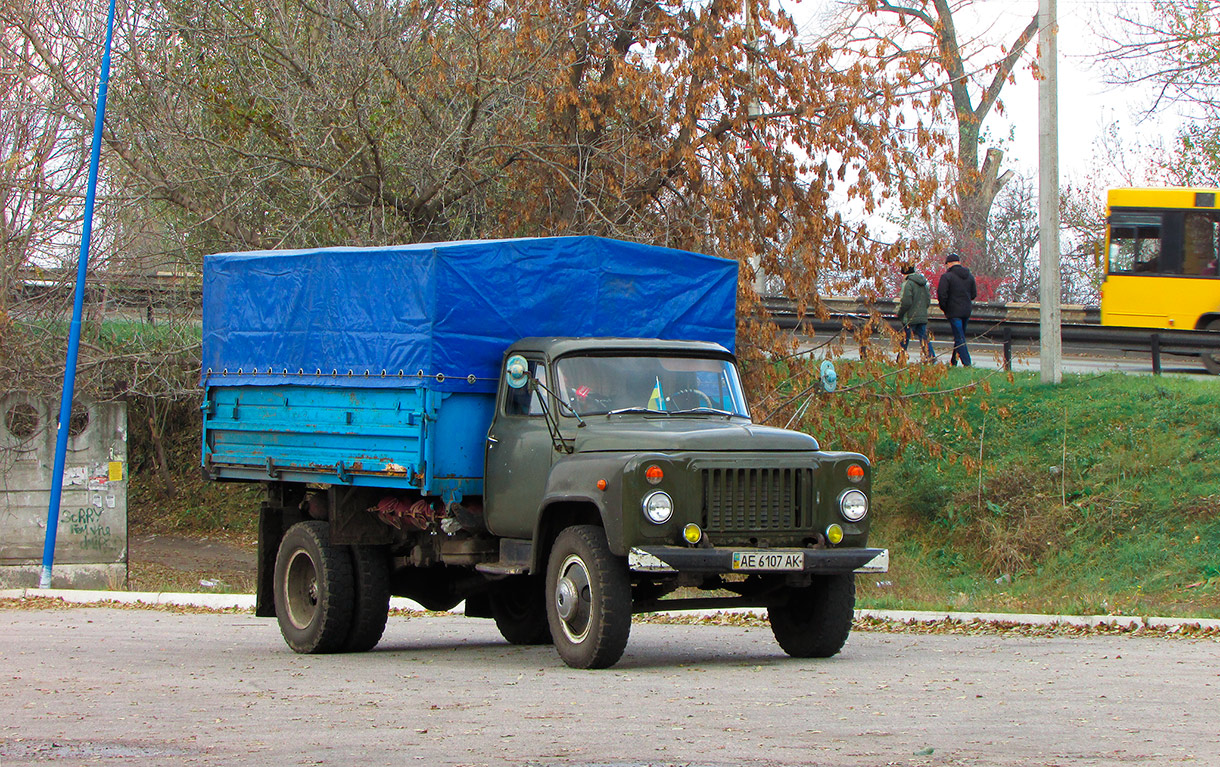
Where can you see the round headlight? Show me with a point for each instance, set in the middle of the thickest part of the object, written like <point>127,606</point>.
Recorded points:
<point>853,505</point>
<point>658,507</point>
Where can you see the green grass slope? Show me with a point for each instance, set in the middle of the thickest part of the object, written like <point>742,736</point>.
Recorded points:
<point>1100,495</point>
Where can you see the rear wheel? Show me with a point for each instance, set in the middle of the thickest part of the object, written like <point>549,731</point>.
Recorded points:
<point>588,598</point>
<point>313,589</point>
<point>518,604</point>
<point>814,621</point>
<point>1211,357</point>
<point>371,571</point>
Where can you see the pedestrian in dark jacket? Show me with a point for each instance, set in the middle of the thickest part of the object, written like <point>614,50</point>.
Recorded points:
<point>913,305</point>
<point>955,292</point>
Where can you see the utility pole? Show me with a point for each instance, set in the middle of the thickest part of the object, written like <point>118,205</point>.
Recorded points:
<point>1051,346</point>
<point>753,111</point>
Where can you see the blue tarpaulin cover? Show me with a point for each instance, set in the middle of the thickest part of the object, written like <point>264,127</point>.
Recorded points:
<point>439,313</point>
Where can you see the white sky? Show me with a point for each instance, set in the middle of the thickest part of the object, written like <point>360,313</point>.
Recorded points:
<point>1086,104</point>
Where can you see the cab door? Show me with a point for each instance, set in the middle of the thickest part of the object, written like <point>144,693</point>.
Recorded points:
<point>518,457</point>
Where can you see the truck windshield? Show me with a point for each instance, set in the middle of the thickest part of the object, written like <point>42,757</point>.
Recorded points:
<point>606,384</point>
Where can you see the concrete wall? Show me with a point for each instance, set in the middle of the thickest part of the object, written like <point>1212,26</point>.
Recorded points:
<point>91,545</point>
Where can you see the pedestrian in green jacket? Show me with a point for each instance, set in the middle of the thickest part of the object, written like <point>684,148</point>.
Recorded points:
<point>913,306</point>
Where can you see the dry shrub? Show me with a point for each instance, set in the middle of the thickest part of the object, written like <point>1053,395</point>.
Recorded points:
<point>1021,519</point>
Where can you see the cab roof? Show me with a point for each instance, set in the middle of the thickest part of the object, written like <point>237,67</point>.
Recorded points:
<point>554,347</point>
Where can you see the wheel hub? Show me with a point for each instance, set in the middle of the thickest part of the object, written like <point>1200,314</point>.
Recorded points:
<point>301,589</point>
<point>565,598</point>
<point>573,598</point>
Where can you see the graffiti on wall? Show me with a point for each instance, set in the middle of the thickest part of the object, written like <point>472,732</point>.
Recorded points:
<point>93,505</point>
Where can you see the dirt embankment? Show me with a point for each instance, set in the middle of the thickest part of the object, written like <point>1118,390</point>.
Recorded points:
<point>178,563</point>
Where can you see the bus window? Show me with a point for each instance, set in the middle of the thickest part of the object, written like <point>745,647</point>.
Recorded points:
<point>1199,243</point>
<point>1135,242</point>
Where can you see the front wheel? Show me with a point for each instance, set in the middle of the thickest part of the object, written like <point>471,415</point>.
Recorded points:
<point>588,598</point>
<point>814,621</point>
<point>314,589</point>
<point>1211,358</point>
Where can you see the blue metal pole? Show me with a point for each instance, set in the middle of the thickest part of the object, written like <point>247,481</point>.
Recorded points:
<point>65,405</point>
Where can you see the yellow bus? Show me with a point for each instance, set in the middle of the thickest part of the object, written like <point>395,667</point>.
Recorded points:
<point>1161,268</point>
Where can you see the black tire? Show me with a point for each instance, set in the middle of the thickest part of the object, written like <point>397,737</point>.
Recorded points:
<point>371,607</point>
<point>313,589</point>
<point>814,621</point>
<point>1211,359</point>
<point>518,605</point>
<point>588,598</point>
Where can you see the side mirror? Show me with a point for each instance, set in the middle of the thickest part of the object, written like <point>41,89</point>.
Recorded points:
<point>516,371</point>
<point>830,379</point>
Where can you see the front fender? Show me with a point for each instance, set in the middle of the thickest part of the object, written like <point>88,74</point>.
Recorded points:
<point>573,480</point>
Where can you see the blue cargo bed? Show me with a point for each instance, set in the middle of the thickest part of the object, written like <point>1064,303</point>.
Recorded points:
<point>410,438</point>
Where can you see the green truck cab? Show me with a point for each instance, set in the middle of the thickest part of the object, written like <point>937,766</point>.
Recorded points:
<point>629,470</point>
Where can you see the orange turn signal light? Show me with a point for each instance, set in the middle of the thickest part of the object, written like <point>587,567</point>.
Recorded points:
<point>654,474</point>
<point>855,472</point>
<point>601,484</point>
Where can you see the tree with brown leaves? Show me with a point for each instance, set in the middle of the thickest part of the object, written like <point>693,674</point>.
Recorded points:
<point>964,76</point>
<point>239,124</point>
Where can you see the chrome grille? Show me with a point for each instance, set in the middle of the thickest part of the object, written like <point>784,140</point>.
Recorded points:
<point>757,500</point>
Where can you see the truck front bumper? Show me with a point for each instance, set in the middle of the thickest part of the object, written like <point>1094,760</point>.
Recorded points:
<point>679,559</point>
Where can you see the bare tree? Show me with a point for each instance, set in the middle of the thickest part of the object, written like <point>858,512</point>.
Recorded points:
<point>299,123</point>
<point>1082,213</point>
<point>1012,242</point>
<point>1174,47</point>
<point>42,172</point>
<point>920,42</point>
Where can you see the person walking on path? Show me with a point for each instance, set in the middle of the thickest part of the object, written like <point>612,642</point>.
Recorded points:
<point>955,293</point>
<point>913,306</point>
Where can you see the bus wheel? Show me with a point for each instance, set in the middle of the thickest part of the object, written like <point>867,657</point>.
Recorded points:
<point>1211,357</point>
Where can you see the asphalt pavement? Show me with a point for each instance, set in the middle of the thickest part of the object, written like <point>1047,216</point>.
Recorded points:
<point>107,685</point>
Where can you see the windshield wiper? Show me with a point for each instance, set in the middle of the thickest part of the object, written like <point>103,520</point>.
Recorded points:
<point>637,410</point>
<point>712,410</point>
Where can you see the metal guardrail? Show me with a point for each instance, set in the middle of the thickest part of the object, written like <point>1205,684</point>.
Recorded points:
<point>1006,323</point>
<point>1076,314</point>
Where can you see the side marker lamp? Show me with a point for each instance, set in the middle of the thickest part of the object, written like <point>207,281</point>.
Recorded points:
<point>654,475</point>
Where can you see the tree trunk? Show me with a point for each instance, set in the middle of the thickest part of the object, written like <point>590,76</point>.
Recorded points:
<point>167,480</point>
<point>976,193</point>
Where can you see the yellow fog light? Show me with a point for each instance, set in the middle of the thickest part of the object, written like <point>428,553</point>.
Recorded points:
<point>692,533</point>
<point>834,534</point>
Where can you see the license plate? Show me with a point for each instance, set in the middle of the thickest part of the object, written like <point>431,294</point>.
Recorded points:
<point>768,560</point>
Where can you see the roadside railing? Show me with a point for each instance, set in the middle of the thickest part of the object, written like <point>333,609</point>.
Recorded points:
<point>1006,324</point>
